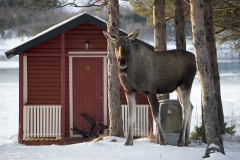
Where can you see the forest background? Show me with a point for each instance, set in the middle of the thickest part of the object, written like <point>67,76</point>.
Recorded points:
<point>19,22</point>
<point>16,21</point>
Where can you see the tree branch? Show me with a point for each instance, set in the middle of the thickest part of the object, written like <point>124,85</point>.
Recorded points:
<point>37,6</point>
<point>141,2</point>
<point>187,1</point>
<point>221,30</point>
<point>227,27</point>
<point>91,4</point>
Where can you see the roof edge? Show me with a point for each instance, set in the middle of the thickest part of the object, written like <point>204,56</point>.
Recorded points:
<point>60,28</point>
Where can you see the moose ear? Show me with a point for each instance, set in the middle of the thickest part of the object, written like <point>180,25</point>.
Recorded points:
<point>109,36</point>
<point>133,35</point>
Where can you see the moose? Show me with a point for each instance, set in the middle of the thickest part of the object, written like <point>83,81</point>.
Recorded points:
<point>154,72</point>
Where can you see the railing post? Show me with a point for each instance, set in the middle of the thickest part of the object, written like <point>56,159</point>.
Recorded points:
<point>141,122</point>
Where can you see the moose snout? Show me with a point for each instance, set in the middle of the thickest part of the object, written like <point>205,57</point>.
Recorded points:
<point>123,63</point>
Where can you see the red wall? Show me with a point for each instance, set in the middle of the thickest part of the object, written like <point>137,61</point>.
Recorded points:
<point>44,81</point>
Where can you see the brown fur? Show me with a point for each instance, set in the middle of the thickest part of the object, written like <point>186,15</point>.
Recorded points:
<point>154,72</point>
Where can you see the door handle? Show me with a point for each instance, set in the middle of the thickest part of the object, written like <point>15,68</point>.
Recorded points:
<point>100,95</point>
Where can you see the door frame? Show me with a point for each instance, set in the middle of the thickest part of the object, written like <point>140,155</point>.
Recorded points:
<point>89,54</point>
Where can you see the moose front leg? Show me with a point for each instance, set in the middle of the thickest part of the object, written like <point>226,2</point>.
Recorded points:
<point>152,98</point>
<point>131,100</point>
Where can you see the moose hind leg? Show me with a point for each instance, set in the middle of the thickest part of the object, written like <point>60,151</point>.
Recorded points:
<point>187,134</point>
<point>131,100</point>
<point>186,113</point>
<point>152,98</point>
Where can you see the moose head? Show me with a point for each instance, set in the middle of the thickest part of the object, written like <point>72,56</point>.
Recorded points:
<point>122,47</point>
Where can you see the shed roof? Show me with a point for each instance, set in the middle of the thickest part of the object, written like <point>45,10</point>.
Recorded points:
<point>60,28</point>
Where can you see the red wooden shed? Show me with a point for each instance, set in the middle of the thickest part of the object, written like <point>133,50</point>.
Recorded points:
<point>62,73</point>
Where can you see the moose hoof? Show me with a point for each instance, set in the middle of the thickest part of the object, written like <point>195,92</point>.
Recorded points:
<point>127,143</point>
<point>162,143</point>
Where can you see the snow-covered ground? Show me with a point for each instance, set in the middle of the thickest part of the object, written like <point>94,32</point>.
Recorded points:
<point>106,149</point>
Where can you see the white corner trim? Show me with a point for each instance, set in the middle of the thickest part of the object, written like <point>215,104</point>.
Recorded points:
<point>105,89</point>
<point>25,82</point>
<point>83,54</point>
<point>70,96</point>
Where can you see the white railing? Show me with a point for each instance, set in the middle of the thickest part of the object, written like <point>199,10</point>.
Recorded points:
<point>41,121</point>
<point>140,127</point>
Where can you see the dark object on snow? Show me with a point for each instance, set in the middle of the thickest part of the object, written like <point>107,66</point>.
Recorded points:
<point>90,133</point>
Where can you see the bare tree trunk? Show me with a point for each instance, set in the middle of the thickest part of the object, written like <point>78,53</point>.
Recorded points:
<point>211,43</point>
<point>159,27</point>
<point>211,125</point>
<point>114,104</point>
<point>204,139</point>
<point>179,25</point>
